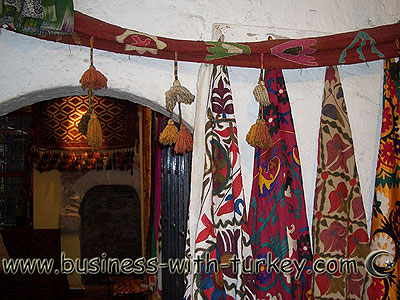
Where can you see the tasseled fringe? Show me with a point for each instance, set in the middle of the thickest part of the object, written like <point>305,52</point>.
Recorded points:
<point>84,122</point>
<point>94,132</point>
<point>177,93</point>
<point>258,135</point>
<point>261,94</point>
<point>93,79</point>
<point>170,134</point>
<point>184,142</point>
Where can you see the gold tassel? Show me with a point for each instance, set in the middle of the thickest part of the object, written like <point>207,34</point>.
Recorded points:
<point>170,133</point>
<point>251,135</point>
<point>94,132</point>
<point>184,142</point>
<point>258,135</point>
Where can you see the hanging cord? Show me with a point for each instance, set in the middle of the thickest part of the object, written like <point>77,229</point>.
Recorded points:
<point>176,66</point>
<point>91,50</point>
<point>261,67</point>
<point>176,78</point>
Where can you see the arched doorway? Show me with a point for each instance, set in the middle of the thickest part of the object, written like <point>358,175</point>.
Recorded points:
<point>110,225</point>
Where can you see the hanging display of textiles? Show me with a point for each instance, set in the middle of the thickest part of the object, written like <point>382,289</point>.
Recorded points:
<point>363,45</point>
<point>385,226</point>
<point>58,144</point>
<point>339,225</point>
<point>38,17</point>
<point>221,233</point>
<point>277,218</point>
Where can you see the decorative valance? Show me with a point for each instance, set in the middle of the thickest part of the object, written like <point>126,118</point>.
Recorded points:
<point>346,48</point>
<point>58,144</point>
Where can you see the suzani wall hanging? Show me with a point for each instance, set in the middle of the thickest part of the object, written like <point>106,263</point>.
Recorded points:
<point>277,218</point>
<point>339,225</point>
<point>385,227</point>
<point>58,144</point>
<point>221,233</point>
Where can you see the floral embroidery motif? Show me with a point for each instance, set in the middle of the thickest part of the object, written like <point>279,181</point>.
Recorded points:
<point>297,51</point>
<point>223,49</point>
<point>222,228</point>
<point>385,232</point>
<point>361,37</point>
<point>140,42</point>
<point>277,220</point>
<point>339,224</point>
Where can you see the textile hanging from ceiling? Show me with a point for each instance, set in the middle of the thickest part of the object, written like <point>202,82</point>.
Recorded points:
<point>385,226</point>
<point>145,137</point>
<point>346,48</point>
<point>277,218</point>
<point>58,144</point>
<point>339,225</point>
<point>39,17</point>
<point>221,233</point>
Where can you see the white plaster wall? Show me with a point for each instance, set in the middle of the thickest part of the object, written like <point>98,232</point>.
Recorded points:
<point>32,70</point>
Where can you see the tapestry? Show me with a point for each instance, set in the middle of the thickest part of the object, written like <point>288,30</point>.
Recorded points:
<point>277,217</point>
<point>39,17</point>
<point>58,144</point>
<point>385,226</point>
<point>363,45</point>
<point>221,235</point>
<point>339,225</point>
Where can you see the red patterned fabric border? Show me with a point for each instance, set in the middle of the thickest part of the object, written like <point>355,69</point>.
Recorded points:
<point>346,48</point>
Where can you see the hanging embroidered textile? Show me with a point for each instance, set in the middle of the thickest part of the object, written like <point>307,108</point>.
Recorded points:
<point>60,145</point>
<point>385,226</point>
<point>221,233</point>
<point>339,225</point>
<point>363,45</point>
<point>145,138</point>
<point>277,218</point>
<point>39,17</point>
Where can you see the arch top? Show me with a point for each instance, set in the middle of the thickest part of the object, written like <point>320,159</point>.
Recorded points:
<point>8,106</point>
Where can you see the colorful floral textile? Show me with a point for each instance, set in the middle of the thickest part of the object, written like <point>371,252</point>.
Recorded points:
<point>339,226</point>
<point>39,17</point>
<point>346,48</point>
<point>221,231</point>
<point>385,226</point>
<point>277,218</point>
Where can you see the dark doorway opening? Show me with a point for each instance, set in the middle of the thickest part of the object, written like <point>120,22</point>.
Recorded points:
<point>110,226</point>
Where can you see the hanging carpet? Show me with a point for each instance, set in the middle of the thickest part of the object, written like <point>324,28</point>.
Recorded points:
<point>385,226</point>
<point>58,144</point>
<point>277,218</point>
<point>339,225</point>
<point>221,232</point>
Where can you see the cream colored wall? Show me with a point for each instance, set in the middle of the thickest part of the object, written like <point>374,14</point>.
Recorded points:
<point>46,199</point>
